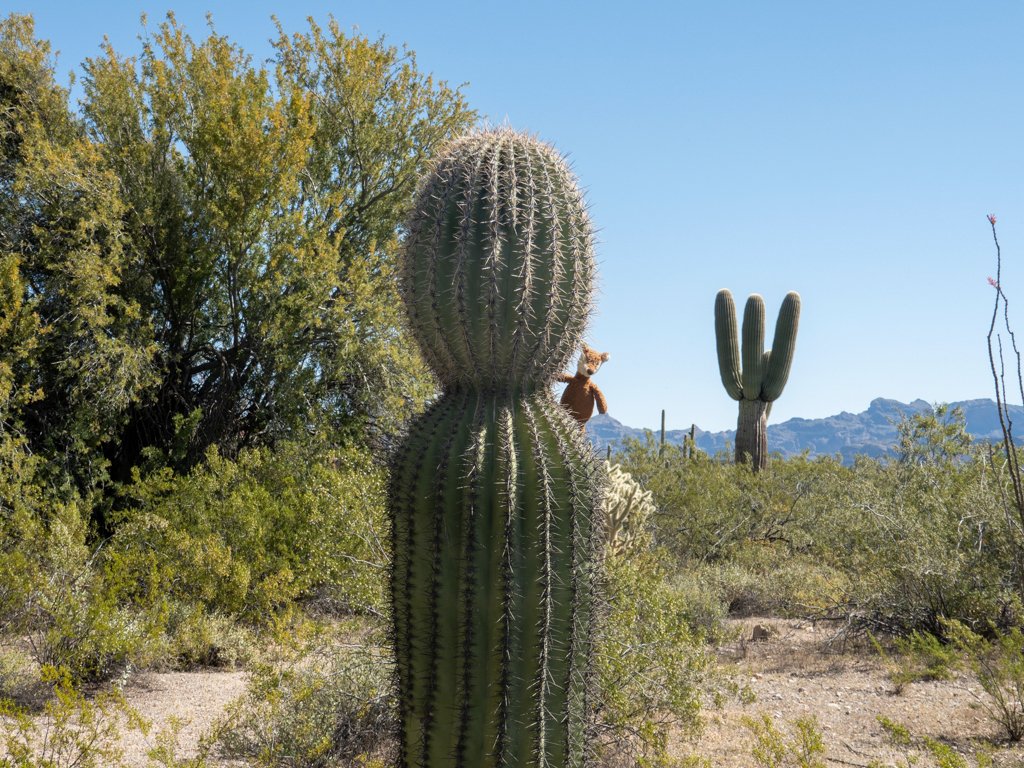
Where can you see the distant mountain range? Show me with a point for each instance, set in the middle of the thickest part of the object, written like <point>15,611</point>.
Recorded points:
<point>849,434</point>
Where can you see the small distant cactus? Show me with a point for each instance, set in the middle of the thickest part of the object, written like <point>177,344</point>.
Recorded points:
<point>763,375</point>
<point>626,509</point>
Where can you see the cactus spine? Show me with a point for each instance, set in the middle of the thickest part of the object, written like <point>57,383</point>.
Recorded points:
<point>494,491</point>
<point>763,374</point>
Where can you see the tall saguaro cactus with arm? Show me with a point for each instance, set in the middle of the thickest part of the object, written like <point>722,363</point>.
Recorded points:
<point>759,381</point>
<point>494,491</point>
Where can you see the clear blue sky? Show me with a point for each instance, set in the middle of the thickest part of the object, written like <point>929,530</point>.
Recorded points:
<point>848,151</point>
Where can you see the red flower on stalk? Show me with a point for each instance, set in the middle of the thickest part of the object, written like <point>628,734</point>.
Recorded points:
<point>991,220</point>
<point>993,283</point>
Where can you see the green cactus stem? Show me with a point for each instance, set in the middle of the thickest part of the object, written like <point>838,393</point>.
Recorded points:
<point>494,492</point>
<point>763,374</point>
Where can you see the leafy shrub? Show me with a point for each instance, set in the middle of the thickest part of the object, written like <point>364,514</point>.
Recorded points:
<point>705,602</point>
<point>757,577</point>
<point>891,544</point>
<point>248,536</point>
<point>998,664</point>
<point>653,671</point>
<point>323,704</point>
<point>910,748</point>
<point>75,616</point>
<point>772,749</point>
<point>196,638</point>
<point>918,657</point>
<point>78,733</point>
<point>21,680</point>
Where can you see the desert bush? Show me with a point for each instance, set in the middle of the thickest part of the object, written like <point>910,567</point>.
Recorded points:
<point>918,657</point>
<point>892,544</point>
<point>706,505</point>
<point>196,638</point>
<point>706,606</point>
<point>73,614</point>
<point>803,748</point>
<point>318,704</point>
<point>766,578</point>
<point>248,536</point>
<point>76,732</point>
<point>21,680</point>
<point>911,748</point>
<point>924,536</point>
<point>998,663</point>
<point>653,670</point>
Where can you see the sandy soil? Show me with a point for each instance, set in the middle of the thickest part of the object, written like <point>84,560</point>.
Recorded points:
<point>794,673</point>
<point>198,698</point>
<point>797,672</point>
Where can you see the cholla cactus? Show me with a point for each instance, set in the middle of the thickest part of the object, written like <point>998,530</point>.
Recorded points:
<point>626,509</point>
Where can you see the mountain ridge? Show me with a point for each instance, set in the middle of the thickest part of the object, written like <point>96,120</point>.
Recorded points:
<point>870,432</point>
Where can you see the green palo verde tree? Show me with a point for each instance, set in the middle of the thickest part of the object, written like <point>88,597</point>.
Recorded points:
<point>763,375</point>
<point>494,492</point>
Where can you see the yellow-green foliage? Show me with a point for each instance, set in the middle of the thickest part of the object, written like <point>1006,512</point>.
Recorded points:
<point>248,536</point>
<point>653,670</point>
<point>78,733</point>
<point>233,539</point>
<point>322,701</point>
<point>898,542</point>
<point>803,748</point>
<point>75,615</point>
<point>911,749</point>
<point>998,663</point>
<point>918,657</point>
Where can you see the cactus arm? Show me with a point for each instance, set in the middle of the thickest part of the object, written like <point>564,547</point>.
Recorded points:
<point>765,361</point>
<point>602,404</point>
<point>727,338</point>
<point>777,372</point>
<point>753,347</point>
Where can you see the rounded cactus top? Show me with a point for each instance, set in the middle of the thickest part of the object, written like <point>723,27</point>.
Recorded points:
<point>498,272</point>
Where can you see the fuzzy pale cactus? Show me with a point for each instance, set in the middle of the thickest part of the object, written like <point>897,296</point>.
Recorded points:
<point>626,508</point>
<point>763,374</point>
<point>494,491</point>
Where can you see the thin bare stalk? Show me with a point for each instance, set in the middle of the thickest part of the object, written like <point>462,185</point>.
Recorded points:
<point>999,377</point>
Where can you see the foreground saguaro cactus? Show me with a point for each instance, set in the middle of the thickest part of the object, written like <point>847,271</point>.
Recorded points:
<point>494,491</point>
<point>763,375</point>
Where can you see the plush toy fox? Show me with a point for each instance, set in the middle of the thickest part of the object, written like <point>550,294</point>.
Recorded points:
<point>581,394</point>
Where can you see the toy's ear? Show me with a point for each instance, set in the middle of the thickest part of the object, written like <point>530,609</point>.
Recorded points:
<point>586,348</point>
<point>604,357</point>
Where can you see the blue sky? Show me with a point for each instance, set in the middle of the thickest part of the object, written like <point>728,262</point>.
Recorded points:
<point>847,151</point>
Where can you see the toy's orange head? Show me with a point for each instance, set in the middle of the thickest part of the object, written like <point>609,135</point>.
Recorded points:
<point>590,361</point>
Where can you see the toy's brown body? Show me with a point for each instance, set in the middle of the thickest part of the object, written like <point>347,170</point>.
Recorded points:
<point>582,394</point>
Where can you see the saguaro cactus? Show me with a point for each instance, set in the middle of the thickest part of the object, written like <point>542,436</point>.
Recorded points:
<point>763,375</point>
<point>494,491</point>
